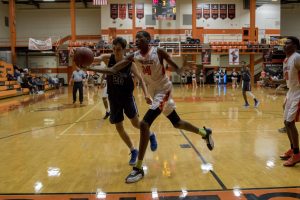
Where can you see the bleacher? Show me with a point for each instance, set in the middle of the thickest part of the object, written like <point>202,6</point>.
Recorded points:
<point>222,46</point>
<point>11,88</point>
<point>8,88</point>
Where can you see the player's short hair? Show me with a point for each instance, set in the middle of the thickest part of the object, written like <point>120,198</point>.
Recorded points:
<point>145,34</point>
<point>295,41</point>
<point>121,41</point>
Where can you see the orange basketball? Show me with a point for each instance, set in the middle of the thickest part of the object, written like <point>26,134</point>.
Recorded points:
<point>83,57</point>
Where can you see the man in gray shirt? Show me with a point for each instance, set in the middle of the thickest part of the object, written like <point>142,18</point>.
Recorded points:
<point>78,77</point>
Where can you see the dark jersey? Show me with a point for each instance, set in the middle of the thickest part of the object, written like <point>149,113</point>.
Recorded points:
<point>119,84</point>
<point>245,75</point>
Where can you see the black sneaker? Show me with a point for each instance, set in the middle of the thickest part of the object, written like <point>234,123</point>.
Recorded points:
<point>208,138</point>
<point>135,175</point>
<point>106,115</point>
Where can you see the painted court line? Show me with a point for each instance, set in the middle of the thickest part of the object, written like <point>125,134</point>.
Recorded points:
<point>80,118</point>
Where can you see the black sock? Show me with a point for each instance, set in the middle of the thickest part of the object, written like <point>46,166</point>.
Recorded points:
<point>296,150</point>
<point>292,146</point>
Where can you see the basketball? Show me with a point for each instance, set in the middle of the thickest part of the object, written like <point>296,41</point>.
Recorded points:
<point>83,57</point>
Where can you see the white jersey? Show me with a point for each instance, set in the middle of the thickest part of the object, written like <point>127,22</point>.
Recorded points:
<point>291,73</point>
<point>159,85</point>
<point>152,70</point>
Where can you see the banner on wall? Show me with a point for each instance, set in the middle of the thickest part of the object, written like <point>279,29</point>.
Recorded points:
<point>206,11</point>
<point>122,11</point>
<point>231,11</point>
<point>114,11</point>
<point>206,56</point>
<point>223,11</point>
<point>234,56</point>
<point>63,57</point>
<point>215,11</point>
<point>140,10</point>
<point>34,44</point>
<point>130,11</point>
<point>199,11</point>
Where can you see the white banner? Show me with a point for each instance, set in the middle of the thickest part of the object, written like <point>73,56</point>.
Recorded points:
<point>40,44</point>
<point>234,57</point>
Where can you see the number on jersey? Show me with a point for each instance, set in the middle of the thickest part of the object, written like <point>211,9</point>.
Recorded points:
<point>147,69</point>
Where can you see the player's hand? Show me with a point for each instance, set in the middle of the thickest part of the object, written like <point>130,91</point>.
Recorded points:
<point>148,100</point>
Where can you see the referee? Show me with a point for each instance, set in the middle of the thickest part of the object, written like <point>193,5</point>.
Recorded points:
<point>78,77</point>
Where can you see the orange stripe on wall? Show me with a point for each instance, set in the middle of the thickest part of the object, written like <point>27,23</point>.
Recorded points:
<point>273,31</point>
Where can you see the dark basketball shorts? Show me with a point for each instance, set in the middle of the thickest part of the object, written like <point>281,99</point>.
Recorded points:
<point>121,105</point>
<point>246,86</point>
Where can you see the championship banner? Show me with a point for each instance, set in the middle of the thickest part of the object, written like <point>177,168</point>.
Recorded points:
<point>231,11</point>
<point>206,11</point>
<point>215,11</point>
<point>223,11</point>
<point>140,10</point>
<point>199,11</point>
<point>234,56</point>
<point>130,11</point>
<point>114,11</point>
<point>122,11</point>
<point>206,56</point>
<point>40,44</point>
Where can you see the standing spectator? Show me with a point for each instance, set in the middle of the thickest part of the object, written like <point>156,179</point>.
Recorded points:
<point>234,77</point>
<point>202,80</point>
<point>78,77</point>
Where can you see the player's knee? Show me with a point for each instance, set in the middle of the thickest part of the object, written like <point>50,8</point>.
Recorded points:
<point>174,119</point>
<point>150,116</point>
<point>144,125</point>
<point>289,124</point>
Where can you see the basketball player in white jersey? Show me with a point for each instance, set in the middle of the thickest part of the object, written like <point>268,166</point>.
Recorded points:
<point>291,70</point>
<point>150,60</point>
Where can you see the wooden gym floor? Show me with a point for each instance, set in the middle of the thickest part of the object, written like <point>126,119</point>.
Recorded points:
<point>52,149</point>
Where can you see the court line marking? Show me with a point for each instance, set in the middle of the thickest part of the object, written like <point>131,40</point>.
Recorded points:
<point>74,123</point>
<point>223,186</point>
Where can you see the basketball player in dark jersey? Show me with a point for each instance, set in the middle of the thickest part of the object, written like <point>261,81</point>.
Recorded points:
<point>120,95</point>
<point>246,86</point>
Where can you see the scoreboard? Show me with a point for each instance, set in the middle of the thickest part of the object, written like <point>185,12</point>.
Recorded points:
<point>164,9</point>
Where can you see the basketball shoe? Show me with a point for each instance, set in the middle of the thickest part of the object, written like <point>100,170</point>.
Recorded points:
<point>209,141</point>
<point>153,142</point>
<point>286,155</point>
<point>293,160</point>
<point>135,175</point>
<point>134,154</point>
